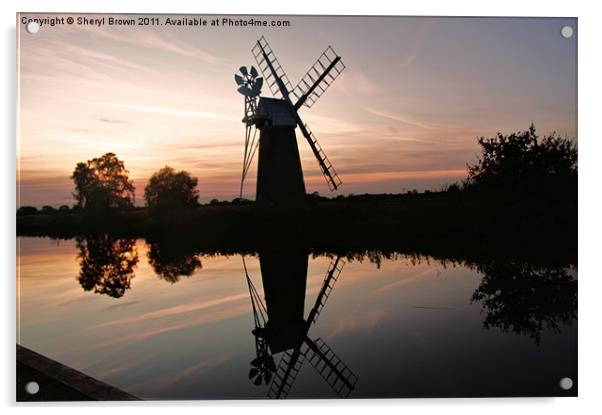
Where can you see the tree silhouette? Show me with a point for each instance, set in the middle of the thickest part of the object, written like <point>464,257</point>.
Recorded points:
<point>172,261</point>
<point>27,210</point>
<point>168,189</point>
<point>521,298</point>
<point>106,264</point>
<point>103,183</point>
<point>521,162</point>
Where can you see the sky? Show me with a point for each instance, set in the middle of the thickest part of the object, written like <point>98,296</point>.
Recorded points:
<point>405,114</point>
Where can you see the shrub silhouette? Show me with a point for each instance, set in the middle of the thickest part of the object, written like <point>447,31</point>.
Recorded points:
<point>170,189</point>
<point>521,163</point>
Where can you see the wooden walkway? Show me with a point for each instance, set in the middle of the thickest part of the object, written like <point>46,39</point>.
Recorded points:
<point>58,382</point>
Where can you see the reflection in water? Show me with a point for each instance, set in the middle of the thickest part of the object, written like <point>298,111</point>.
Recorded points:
<point>280,326</point>
<point>521,298</point>
<point>195,335</point>
<point>516,295</point>
<point>171,261</point>
<point>106,264</point>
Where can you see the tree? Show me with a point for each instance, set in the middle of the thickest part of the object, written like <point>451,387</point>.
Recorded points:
<point>526,299</point>
<point>171,260</point>
<point>27,210</point>
<point>522,163</point>
<point>103,183</point>
<point>168,189</point>
<point>106,264</point>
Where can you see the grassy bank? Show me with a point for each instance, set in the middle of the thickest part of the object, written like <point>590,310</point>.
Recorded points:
<point>361,221</point>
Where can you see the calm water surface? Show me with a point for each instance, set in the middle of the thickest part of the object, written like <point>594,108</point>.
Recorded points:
<point>177,325</point>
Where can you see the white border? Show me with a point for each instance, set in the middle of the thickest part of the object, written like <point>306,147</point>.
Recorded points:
<point>590,143</point>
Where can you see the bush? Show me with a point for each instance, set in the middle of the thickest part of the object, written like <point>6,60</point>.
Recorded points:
<point>27,210</point>
<point>170,189</point>
<point>521,163</point>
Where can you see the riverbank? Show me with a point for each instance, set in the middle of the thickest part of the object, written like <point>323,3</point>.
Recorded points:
<point>362,221</point>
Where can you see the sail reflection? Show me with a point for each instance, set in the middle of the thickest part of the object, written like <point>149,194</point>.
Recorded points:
<point>106,264</point>
<point>281,328</point>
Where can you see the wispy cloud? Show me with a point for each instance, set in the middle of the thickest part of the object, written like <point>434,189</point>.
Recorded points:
<point>75,53</point>
<point>111,120</point>
<point>408,279</point>
<point>171,111</point>
<point>411,53</point>
<point>358,322</point>
<point>164,43</point>
<point>176,310</point>
<point>404,120</point>
<point>354,80</point>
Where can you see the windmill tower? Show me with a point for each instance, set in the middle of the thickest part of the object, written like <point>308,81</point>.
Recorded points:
<point>279,172</point>
<point>280,326</point>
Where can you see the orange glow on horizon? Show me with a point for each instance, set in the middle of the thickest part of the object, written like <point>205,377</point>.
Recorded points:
<point>404,114</point>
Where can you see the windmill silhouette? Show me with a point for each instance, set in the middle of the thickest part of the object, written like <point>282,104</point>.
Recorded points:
<point>280,326</point>
<point>279,172</point>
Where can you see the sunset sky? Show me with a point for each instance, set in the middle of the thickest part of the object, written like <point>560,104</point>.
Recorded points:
<point>405,114</point>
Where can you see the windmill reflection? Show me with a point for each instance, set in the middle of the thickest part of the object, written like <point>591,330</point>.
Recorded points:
<point>106,264</point>
<point>171,260</point>
<point>280,326</point>
<point>525,299</point>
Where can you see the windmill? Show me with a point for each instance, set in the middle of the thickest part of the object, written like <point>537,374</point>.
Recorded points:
<point>281,328</point>
<point>279,172</point>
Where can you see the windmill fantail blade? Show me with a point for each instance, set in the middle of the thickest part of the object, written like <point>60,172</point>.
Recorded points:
<point>245,91</point>
<point>243,70</point>
<point>253,72</point>
<point>239,80</point>
<point>256,90</point>
<point>267,377</point>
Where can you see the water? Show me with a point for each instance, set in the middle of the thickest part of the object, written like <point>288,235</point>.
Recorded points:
<point>172,323</point>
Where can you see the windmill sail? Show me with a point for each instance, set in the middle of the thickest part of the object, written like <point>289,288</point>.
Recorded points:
<point>332,275</point>
<point>315,82</point>
<point>318,78</point>
<point>271,69</point>
<point>288,368</point>
<point>330,367</point>
<point>330,174</point>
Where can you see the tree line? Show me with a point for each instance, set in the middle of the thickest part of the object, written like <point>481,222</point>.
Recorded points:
<point>102,184</point>
<point>520,164</point>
